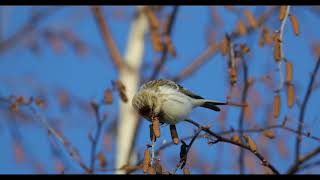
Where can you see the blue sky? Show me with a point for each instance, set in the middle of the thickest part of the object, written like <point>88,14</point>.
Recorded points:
<point>86,77</point>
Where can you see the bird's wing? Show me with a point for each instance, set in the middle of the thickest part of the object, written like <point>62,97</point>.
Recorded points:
<point>188,93</point>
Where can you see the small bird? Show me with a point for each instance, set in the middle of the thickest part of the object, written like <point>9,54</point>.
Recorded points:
<point>168,101</point>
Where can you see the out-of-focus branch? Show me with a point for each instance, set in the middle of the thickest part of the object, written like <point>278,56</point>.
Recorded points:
<point>296,166</point>
<point>219,138</point>
<point>107,38</point>
<point>27,28</point>
<point>242,113</point>
<point>211,50</point>
<point>303,109</point>
<point>167,32</point>
<point>128,118</point>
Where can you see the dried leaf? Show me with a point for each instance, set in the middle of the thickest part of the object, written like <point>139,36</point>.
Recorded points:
<point>290,95</point>
<point>295,24</point>
<point>283,11</point>
<point>276,106</point>
<point>174,134</point>
<point>269,134</point>
<point>146,160</point>
<point>289,71</point>
<point>252,145</point>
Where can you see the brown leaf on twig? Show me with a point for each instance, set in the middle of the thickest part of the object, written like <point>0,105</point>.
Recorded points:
<point>277,48</point>
<point>107,96</point>
<point>236,139</point>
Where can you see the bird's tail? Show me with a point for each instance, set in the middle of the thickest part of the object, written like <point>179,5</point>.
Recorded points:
<point>212,105</point>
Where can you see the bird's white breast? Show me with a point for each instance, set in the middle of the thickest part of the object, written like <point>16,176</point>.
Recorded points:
<point>175,105</point>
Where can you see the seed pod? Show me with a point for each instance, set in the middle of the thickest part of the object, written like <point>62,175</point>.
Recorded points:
<point>107,96</point>
<point>233,75</point>
<point>174,134</point>
<point>186,171</point>
<point>288,71</point>
<point>283,10</point>
<point>277,49</point>
<point>252,145</point>
<point>269,134</point>
<point>156,126</point>
<point>146,160</point>
<point>295,24</point>
<point>290,95</point>
<point>241,27</point>
<point>276,106</point>
<point>236,139</point>
<point>252,21</point>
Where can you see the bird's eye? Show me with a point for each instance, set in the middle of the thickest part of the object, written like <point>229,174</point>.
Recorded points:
<point>144,111</point>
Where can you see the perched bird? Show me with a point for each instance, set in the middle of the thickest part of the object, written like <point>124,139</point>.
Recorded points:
<point>168,101</point>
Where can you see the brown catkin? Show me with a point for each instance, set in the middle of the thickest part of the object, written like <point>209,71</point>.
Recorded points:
<point>241,27</point>
<point>156,126</point>
<point>236,138</point>
<point>233,75</point>
<point>290,95</point>
<point>224,46</point>
<point>252,145</point>
<point>277,49</point>
<point>276,106</point>
<point>146,160</point>
<point>269,134</point>
<point>107,97</point>
<point>289,71</point>
<point>282,13</point>
<point>156,41</point>
<point>102,160</point>
<point>186,171</point>
<point>252,21</point>
<point>174,134</point>
<point>295,24</point>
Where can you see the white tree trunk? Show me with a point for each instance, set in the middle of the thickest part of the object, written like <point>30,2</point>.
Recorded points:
<point>128,118</point>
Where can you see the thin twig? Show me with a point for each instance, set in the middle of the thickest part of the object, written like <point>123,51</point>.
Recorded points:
<point>296,166</point>
<point>303,108</point>
<point>219,138</point>
<point>159,65</point>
